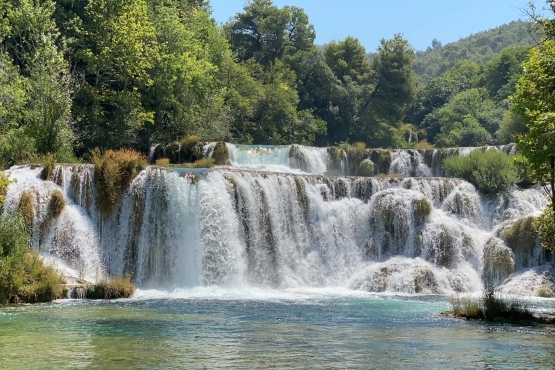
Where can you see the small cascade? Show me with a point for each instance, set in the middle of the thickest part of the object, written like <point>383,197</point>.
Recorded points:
<point>409,163</point>
<point>274,220</point>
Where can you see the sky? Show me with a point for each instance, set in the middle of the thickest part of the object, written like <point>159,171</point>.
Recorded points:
<point>372,20</point>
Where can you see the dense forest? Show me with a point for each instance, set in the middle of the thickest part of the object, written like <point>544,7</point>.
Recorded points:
<point>80,74</point>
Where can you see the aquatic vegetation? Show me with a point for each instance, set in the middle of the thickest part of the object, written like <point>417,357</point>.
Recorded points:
<point>26,209</point>
<point>57,203</point>
<point>163,162</point>
<point>366,168</point>
<point>49,164</point>
<point>221,154</point>
<point>115,289</point>
<point>491,307</point>
<point>113,171</point>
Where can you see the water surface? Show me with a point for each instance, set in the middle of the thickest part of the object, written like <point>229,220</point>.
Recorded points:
<point>267,330</point>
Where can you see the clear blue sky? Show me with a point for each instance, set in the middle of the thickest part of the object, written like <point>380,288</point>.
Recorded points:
<point>418,21</point>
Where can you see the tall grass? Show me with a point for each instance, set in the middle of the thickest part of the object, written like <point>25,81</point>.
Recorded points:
<point>115,289</point>
<point>114,171</point>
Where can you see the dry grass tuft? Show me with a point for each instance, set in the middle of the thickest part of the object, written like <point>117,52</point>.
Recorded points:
<point>115,289</point>
<point>114,171</point>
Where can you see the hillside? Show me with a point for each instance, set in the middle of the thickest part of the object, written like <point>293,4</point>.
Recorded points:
<point>479,48</point>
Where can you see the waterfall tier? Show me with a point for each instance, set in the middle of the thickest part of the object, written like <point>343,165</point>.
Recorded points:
<point>233,227</point>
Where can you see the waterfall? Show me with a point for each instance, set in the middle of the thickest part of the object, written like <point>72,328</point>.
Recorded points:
<point>295,227</point>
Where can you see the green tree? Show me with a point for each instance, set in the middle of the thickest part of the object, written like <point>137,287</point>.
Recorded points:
<point>187,95</point>
<point>40,97</point>
<point>267,33</point>
<point>393,86</point>
<point>348,58</point>
<point>117,49</point>
<point>501,74</point>
<point>534,101</point>
<point>473,103</point>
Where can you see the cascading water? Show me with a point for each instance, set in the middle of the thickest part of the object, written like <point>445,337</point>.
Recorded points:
<point>236,226</point>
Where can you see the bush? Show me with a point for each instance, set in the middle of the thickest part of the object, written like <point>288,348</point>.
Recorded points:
<point>117,288</point>
<point>114,170</point>
<point>545,226</point>
<point>24,278</point>
<point>491,171</point>
<point>366,168</point>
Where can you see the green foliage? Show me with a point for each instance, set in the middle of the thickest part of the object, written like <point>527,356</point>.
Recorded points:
<point>23,275</point>
<point>267,33</point>
<point>545,226</point>
<point>393,89</point>
<point>114,170</point>
<point>491,171</point>
<point>4,183</point>
<point>366,168</point>
<point>115,289</point>
<point>348,58</point>
<point>522,234</point>
<point>479,48</point>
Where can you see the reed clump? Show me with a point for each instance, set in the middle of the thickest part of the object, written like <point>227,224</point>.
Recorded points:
<point>26,209</point>
<point>57,203</point>
<point>491,308</point>
<point>201,163</point>
<point>114,171</point>
<point>49,160</point>
<point>163,162</point>
<point>115,289</point>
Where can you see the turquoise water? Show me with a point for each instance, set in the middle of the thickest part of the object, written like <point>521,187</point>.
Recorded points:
<point>270,331</point>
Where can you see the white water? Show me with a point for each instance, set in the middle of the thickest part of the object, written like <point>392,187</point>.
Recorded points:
<point>237,230</point>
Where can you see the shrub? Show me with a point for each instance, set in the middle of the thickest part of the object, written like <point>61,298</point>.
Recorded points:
<point>114,170</point>
<point>57,203</point>
<point>163,162</point>
<point>491,171</point>
<point>115,289</point>
<point>366,168</point>
<point>23,275</point>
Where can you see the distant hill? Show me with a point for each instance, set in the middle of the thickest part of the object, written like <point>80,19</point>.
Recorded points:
<point>480,48</point>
